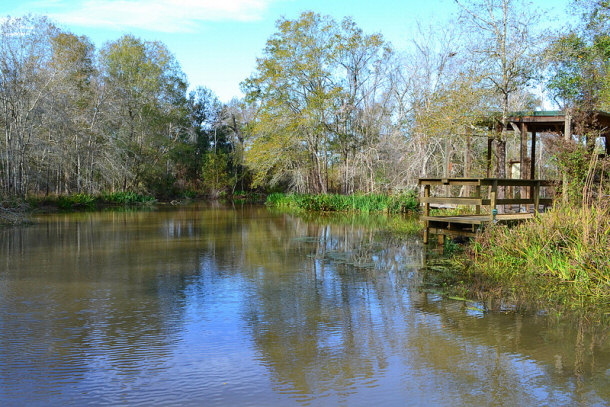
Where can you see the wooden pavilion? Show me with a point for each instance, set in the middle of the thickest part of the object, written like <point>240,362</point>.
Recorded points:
<point>530,125</point>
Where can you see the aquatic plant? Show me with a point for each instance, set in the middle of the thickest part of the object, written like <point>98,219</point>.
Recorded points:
<point>342,203</point>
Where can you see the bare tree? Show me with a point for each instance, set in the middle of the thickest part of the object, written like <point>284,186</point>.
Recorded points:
<point>503,48</point>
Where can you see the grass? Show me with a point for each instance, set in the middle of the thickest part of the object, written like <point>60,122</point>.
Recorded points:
<point>560,261</point>
<point>346,203</point>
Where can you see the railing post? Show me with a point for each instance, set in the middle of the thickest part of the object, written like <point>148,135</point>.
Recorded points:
<point>478,196</point>
<point>494,192</point>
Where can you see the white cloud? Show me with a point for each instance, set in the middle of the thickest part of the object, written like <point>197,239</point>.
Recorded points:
<point>157,15</point>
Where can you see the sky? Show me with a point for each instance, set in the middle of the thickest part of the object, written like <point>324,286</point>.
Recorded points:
<point>217,42</point>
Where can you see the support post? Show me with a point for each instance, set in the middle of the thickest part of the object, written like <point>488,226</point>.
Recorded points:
<point>447,164</point>
<point>489,147</point>
<point>567,135</point>
<point>533,168</point>
<point>468,159</point>
<point>536,197</point>
<point>494,194</point>
<point>533,161</point>
<point>522,155</point>
<point>426,213</point>
<point>478,196</point>
<point>441,240</point>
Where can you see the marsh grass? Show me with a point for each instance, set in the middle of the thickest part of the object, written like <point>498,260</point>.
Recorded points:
<point>560,259</point>
<point>346,203</point>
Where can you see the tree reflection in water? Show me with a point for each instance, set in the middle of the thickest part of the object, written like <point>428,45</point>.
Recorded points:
<point>250,306</point>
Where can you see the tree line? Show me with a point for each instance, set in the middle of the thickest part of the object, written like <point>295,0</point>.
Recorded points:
<point>81,120</point>
<point>328,108</point>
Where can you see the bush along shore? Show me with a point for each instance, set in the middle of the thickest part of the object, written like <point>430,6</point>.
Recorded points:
<point>559,262</point>
<point>406,202</point>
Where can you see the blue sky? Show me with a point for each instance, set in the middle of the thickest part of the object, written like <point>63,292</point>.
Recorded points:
<point>217,41</point>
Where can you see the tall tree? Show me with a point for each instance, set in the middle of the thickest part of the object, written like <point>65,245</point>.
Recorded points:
<point>579,60</point>
<point>314,90</point>
<point>295,87</point>
<point>504,48</point>
<point>145,83</point>
<point>26,83</point>
<point>72,113</point>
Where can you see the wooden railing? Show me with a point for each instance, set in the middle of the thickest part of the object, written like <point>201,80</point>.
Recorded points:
<point>485,194</point>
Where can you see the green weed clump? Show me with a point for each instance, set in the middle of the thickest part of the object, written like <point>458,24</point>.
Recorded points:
<point>561,258</point>
<point>344,203</point>
<point>76,201</point>
<point>125,198</point>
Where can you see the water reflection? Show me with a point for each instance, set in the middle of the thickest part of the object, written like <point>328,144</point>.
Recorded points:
<point>222,306</point>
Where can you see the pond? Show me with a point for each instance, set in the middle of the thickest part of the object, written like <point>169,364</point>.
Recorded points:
<point>217,306</point>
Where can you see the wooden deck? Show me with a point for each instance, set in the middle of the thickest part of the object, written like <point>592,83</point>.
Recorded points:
<point>485,195</point>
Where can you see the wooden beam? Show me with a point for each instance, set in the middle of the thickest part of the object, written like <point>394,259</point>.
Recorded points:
<point>450,181</point>
<point>468,158</point>
<point>466,220</point>
<point>541,119</point>
<point>533,160</point>
<point>515,182</point>
<point>453,232</point>
<point>447,163</point>
<point>489,147</point>
<point>523,151</point>
<point>494,192</point>
<point>515,201</point>
<point>485,182</point>
<point>480,201</point>
<point>536,198</point>
<point>533,167</point>
<point>567,135</point>
<point>478,195</point>
<point>522,155</point>
<point>458,200</point>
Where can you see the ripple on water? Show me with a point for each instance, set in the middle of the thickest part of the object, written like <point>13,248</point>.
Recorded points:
<point>219,307</point>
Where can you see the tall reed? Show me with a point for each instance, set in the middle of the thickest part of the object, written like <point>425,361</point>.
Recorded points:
<point>561,257</point>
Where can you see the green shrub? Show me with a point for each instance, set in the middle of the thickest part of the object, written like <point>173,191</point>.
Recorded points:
<point>125,198</point>
<point>76,201</point>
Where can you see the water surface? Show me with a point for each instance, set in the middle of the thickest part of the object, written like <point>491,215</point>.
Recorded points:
<point>219,307</point>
